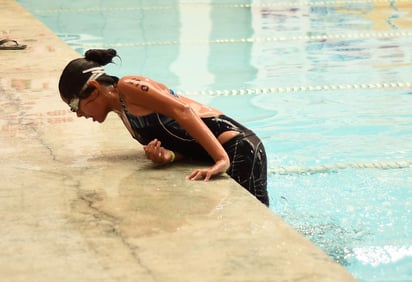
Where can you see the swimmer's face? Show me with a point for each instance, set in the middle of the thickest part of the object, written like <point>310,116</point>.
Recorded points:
<point>91,103</point>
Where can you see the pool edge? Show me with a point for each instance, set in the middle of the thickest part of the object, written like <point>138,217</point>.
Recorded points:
<point>70,229</point>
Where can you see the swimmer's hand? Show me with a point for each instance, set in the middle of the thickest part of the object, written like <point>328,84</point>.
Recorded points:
<point>158,154</point>
<point>218,168</point>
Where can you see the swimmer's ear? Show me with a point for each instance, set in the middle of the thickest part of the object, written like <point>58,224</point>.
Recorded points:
<point>93,84</point>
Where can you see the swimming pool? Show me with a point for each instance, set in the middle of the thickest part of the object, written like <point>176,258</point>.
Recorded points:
<point>326,84</point>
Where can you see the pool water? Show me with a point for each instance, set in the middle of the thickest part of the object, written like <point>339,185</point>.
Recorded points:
<point>325,84</point>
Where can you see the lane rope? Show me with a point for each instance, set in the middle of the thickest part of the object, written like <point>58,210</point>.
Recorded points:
<point>286,170</point>
<point>281,4</point>
<point>298,89</point>
<point>262,40</point>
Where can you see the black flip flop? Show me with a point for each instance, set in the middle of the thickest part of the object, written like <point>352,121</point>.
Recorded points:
<point>14,46</point>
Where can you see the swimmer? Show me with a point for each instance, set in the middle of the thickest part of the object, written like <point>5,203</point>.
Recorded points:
<point>168,125</point>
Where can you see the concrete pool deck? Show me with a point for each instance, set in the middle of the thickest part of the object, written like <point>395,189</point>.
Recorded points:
<point>79,202</point>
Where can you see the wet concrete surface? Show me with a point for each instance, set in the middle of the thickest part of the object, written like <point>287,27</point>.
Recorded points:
<point>79,201</point>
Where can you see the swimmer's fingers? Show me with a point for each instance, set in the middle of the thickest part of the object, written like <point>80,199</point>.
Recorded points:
<point>155,152</point>
<point>195,175</point>
<point>199,174</point>
<point>151,146</point>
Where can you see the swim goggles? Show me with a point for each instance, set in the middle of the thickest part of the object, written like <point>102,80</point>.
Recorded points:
<point>74,103</point>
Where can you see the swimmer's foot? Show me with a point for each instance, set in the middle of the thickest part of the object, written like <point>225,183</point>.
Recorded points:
<point>8,44</point>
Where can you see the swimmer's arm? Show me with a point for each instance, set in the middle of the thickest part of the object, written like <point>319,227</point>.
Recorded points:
<point>145,94</point>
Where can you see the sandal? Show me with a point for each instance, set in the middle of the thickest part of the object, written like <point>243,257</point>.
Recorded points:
<point>7,44</point>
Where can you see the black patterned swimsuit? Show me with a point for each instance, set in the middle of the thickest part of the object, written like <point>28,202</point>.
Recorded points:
<point>246,152</point>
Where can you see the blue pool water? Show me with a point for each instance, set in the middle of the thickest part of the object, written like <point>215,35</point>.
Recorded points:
<point>326,84</point>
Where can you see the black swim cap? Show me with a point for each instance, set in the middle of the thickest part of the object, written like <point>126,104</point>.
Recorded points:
<point>73,77</point>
